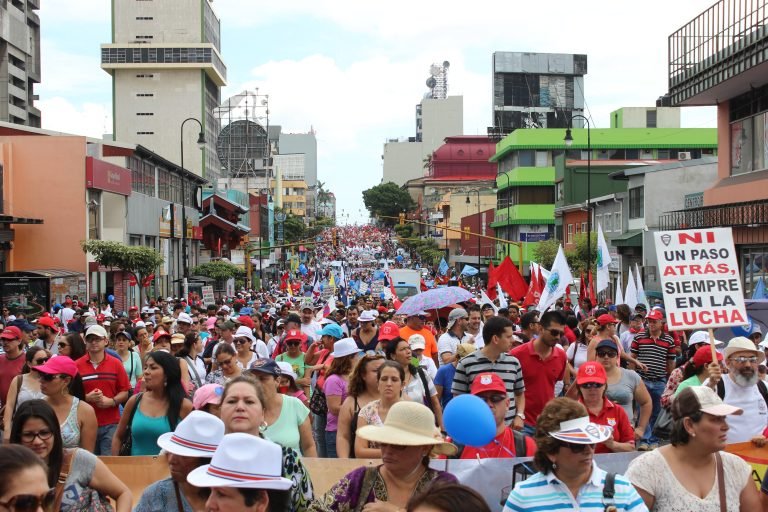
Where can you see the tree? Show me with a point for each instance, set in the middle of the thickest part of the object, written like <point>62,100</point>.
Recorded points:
<point>219,270</point>
<point>319,225</point>
<point>577,258</point>
<point>545,252</point>
<point>294,228</point>
<point>387,199</point>
<point>137,260</point>
<point>425,249</point>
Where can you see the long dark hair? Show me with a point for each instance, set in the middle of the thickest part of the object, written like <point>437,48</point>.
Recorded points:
<point>29,357</point>
<point>42,410</point>
<point>189,341</point>
<point>76,345</point>
<point>357,380</point>
<point>14,459</point>
<point>173,387</point>
<point>341,366</point>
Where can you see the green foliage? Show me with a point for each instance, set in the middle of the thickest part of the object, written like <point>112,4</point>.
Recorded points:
<point>545,252</point>
<point>138,260</point>
<point>219,270</point>
<point>577,258</point>
<point>424,249</point>
<point>319,225</point>
<point>387,199</point>
<point>294,228</point>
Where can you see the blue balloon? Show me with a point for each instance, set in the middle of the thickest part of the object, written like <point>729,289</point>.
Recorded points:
<point>744,330</point>
<point>469,421</point>
<point>111,299</point>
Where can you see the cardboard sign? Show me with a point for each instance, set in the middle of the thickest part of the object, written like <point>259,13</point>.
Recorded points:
<point>208,297</point>
<point>700,279</point>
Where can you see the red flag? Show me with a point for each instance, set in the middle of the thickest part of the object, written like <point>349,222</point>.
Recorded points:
<point>492,280</point>
<point>542,283</point>
<point>582,288</point>
<point>532,297</point>
<point>591,289</point>
<point>510,280</point>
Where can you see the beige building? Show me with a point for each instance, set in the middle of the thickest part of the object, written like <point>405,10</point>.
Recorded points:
<point>293,196</point>
<point>436,119</point>
<point>166,66</point>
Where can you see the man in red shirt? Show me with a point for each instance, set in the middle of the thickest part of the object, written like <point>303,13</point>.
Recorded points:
<point>12,360</point>
<point>106,386</point>
<point>543,361</point>
<point>508,442</point>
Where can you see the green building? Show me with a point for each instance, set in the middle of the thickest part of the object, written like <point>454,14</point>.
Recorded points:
<point>537,172</point>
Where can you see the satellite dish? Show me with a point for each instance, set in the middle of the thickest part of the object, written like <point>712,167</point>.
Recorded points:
<point>434,70</point>
<point>431,82</point>
<point>240,143</point>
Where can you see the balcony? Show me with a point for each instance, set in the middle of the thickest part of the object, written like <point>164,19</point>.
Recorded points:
<point>145,56</point>
<point>524,214</point>
<point>750,214</point>
<point>719,54</point>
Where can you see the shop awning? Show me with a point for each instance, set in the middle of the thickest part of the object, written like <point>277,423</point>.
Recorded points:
<point>632,238</point>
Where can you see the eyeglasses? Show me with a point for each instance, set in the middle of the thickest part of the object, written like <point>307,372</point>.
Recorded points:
<point>744,359</point>
<point>577,448</point>
<point>228,362</point>
<point>30,502</point>
<point>610,354</point>
<point>494,399</point>
<point>42,360</point>
<point>28,437</point>
<point>48,377</point>
<point>591,385</point>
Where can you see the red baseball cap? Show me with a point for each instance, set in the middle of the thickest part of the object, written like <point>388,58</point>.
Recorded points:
<point>59,365</point>
<point>655,314</point>
<point>487,382</point>
<point>389,331</point>
<point>295,334</point>
<point>159,334</point>
<point>11,333</point>
<point>606,319</point>
<point>591,371</point>
<point>133,308</point>
<point>704,355</point>
<point>246,320</point>
<point>46,321</point>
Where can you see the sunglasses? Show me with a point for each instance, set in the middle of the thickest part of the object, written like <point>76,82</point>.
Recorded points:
<point>42,360</point>
<point>293,343</point>
<point>577,448</point>
<point>241,341</point>
<point>48,377</point>
<point>30,502</point>
<point>610,354</point>
<point>494,399</point>
<point>591,385</point>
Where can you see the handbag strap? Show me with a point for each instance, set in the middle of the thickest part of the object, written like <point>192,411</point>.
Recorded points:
<point>721,482</point>
<point>178,497</point>
<point>63,474</point>
<point>191,365</point>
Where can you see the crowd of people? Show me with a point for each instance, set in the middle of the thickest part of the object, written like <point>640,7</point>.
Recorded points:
<point>236,394</point>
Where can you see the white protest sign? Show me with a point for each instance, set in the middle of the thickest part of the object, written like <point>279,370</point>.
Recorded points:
<point>208,297</point>
<point>700,279</point>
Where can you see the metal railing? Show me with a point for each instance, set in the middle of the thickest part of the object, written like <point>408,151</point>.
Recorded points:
<point>727,27</point>
<point>749,214</point>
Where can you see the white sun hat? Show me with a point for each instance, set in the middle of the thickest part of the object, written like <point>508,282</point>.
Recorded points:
<point>243,461</point>
<point>582,431</point>
<point>345,347</point>
<point>197,435</point>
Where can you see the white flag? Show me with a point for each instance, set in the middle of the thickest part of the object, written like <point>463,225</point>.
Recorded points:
<point>603,260</point>
<point>641,298</point>
<point>502,298</point>
<point>559,278</point>
<point>485,299</point>
<point>619,297</point>
<point>630,296</point>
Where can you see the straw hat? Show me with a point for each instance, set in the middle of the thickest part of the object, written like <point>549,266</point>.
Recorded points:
<point>407,424</point>
<point>742,344</point>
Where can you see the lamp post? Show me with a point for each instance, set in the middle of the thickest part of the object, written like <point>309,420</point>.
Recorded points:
<point>568,142</point>
<point>201,146</point>
<point>479,226</point>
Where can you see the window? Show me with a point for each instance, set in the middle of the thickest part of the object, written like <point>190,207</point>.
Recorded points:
<point>636,203</point>
<point>748,144</point>
<point>617,221</point>
<point>145,113</point>
<point>526,158</point>
<point>650,119</point>
<point>145,37</point>
<point>146,75</point>
<point>535,195</point>
<point>663,154</point>
<point>164,185</point>
<point>542,159</point>
<point>144,18</point>
<point>145,133</point>
<point>607,222</point>
<point>578,228</point>
<point>599,221</point>
<point>632,154</point>
<point>570,234</point>
<point>583,227</point>
<point>145,95</point>
<point>559,194</point>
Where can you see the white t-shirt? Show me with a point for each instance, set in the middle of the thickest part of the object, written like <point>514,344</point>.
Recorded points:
<point>429,366</point>
<point>272,345</point>
<point>261,349</point>
<point>581,354</point>
<point>744,427</point>
<point>311,329</point>
<point>415,389</point>
<point>449,343</point>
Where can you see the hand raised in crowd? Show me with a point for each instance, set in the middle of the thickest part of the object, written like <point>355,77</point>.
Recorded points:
<point>715,373</point>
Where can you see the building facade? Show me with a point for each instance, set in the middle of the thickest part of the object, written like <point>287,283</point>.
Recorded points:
<point>166,66</point>
<point>19,61</point>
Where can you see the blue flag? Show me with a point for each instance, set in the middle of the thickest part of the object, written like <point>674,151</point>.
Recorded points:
<point>759,292</point>
<point>443,268</point>
<point>469,270</point>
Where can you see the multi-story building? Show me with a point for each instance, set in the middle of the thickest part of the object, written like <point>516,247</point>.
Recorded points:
<point>719,58</point>
<point>19,61</point>
<point>529,187</point>
<point>302,144</point>
<point>166,66</point>
<point>536,90</point>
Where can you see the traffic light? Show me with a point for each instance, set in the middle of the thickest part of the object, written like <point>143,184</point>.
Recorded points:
<point>402,219</point>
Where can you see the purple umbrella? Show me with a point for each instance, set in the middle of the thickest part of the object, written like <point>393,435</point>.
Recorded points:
<point>435,298</point>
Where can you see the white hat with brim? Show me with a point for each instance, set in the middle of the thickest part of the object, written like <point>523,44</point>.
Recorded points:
<point>243,461</point>
<point>702,337</point>
<point>582,431</point>
<point>287,370</point>
<point>245,332</point>
<point>345,347</point>
<point>366,316</point>
<point>742,344</point>
<point>701,398</point>
<point>197,435</point>
<point>407,424</point>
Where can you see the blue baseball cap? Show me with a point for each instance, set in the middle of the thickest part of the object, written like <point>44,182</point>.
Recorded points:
<point>22,324</point>
<point>331,330</point>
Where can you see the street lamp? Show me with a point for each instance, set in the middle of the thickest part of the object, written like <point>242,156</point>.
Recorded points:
<point>201,146</point>
<point>568,143</point>
<point>479,222</point>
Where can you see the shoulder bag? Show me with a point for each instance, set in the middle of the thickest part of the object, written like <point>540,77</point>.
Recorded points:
<point>127,444</point>
<point>16,405</point>
<point>721,482</point>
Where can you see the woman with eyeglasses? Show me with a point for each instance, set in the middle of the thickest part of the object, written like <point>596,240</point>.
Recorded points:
<point>155,411</point>
<point>390,384</point>
<point>24,481</point>
<point>36,427</point>
<point>565,442</point>
<point>245,409</point>
<point>577,351</point>
<point>25,386</point>
<point>418,385</point>
<point>591,385</point>
<point>63,390</point>
<point>226,362</point>
<point>72,346</point>
<point>362,390</point>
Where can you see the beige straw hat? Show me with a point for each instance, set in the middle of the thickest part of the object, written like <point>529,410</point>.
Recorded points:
<point>408,424</point>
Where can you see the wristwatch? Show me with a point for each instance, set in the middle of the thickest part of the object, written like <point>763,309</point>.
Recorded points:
<point>520,415</point>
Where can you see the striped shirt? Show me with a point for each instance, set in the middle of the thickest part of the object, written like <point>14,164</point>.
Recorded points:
<point>506,366</point>
<point>545,492</point>
<point>654,353</point>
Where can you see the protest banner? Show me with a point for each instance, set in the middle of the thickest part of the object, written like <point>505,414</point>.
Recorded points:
<point>700,279</point>
<point>208,297</point>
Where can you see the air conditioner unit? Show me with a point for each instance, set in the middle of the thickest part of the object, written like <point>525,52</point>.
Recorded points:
<point>684,155</point>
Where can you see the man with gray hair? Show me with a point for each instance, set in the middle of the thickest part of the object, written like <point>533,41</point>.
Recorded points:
<point>743,388</point>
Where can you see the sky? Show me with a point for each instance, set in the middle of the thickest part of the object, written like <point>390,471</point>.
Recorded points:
<point>354,70</point>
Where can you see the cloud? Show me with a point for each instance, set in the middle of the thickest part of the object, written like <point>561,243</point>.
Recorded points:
<point>89,119</point>
<point>75,12</point>
<point>72,74</point>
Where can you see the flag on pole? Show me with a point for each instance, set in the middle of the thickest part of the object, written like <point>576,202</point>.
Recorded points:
<point>630,296</point>
<point>559,278</point>
<point>343,286</point>
<point>531,297</point>
<point>603,260</point>
<point>469,270</point>
<point>484,299</point>
<point>641,298</point>
<point>502,299</point>
<point>619,297</point>
<point>492,280</point>
<point>330,307</point>
<point>591,290</point>
<point>443,268</point>
<point>316,284</point>
<point>582,288</point>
